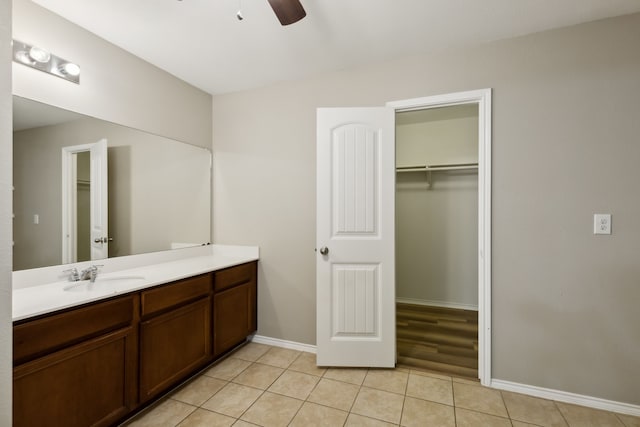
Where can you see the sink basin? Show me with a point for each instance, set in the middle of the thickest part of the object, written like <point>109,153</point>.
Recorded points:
<point>102,284</point>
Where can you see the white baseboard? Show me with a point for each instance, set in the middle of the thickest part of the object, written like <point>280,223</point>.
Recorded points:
<point>276,342</point>
<point>563,396</point>
<point>433,303</point>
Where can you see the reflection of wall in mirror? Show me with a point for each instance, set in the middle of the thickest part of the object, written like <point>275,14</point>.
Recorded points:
<point>159,190</point>
<point>115,85</point>
<point>83,187</point>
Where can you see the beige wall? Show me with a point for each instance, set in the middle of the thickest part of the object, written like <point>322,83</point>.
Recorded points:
<point>5,214</point>
<point>437,136</point>
<point>114,85</point>
<point>159,190</point>
<point>437,220</point>
<point>565,146</point>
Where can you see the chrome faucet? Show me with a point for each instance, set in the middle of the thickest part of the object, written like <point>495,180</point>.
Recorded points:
<point>90,273</point>
<point>74,276</point>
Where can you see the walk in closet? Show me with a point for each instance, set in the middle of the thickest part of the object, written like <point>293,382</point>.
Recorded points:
<point>437,239</point>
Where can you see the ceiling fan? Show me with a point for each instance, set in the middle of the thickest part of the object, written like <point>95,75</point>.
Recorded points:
<point>288,11</point>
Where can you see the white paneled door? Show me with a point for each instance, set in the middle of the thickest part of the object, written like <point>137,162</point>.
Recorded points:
<point>355,262</point>
<point>99,201</point>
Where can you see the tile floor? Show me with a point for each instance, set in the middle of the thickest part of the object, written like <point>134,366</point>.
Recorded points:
<point>259,385</point>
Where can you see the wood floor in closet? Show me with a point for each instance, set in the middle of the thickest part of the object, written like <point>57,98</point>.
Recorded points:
<point>438,339</point>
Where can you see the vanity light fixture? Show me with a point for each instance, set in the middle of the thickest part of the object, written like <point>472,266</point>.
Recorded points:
<point>41,59</point>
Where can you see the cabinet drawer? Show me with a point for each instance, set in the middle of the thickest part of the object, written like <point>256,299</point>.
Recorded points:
<point>174,294</point>
<point>38,337</point>
<point>234,276</point>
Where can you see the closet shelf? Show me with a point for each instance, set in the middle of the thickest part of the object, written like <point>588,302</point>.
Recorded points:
<point>436,168</point>
<point>433,168</point>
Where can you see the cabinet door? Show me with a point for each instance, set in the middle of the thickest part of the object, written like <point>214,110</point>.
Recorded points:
<point>89,384</point>
<point>172,345</point>
<point>233,316</point>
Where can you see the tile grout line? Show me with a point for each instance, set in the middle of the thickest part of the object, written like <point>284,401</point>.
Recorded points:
<point>620,419</point>
<point>265,390</point>
<point>320,377</point>
<point>376,389</point>
<point>230,381</point>
<point>251,363</point>
<point>504,402</point>
<point>305,399</point>
<point>561,414</point>
<point>404,397</point>
<point>357,394</point>
<point>286,369</point>
<point>404,400</point>
<point>188,415</point>
<point>453,397</point>
<point>505,406</point>
<point>250,406</point>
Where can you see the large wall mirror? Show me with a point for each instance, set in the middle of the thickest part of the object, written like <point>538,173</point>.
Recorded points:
<point>153,193</point>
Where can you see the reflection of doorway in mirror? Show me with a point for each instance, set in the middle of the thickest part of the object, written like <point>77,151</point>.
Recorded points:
<point>83,206</point>
<point>84,202</point>
<point>159,188</point>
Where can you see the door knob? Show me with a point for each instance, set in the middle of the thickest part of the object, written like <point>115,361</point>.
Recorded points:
<point>103,239</point>
<point>324,250</point>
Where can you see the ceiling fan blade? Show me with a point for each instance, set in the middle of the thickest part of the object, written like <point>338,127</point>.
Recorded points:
<point>288,11</point>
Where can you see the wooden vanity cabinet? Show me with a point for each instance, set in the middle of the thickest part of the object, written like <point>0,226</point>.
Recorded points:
<point>96,364</point>
<point>76,368</point>
<point>234,306</point>
<point>175,333</point>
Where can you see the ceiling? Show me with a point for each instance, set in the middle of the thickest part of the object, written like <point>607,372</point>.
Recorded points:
<point>202,42</point>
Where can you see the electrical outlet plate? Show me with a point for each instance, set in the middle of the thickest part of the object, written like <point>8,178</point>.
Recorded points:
<point>601,223</point>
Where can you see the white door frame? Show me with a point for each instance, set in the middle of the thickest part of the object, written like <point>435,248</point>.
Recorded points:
<point>69,199</point>
<point>482,98</point>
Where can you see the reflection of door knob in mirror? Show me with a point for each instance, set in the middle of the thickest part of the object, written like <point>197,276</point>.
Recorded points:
<point>324,250</point>
<point>103,239</point>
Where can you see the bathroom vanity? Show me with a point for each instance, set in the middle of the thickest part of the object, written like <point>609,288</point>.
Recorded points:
<point>98,361</point>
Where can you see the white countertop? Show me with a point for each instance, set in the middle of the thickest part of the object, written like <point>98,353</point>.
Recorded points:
<point>41,298</point>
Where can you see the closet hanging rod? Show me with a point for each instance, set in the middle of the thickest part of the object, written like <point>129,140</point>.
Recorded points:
<point>431,168</point>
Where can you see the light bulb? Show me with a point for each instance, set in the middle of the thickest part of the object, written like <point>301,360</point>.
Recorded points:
<point>70,69</point>
<point>39,55</point>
